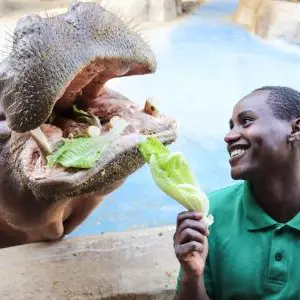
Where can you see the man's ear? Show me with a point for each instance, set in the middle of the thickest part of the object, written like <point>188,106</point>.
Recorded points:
<point>295,134</point>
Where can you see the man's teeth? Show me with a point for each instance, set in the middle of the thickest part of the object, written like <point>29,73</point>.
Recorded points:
<point>41,140</point>
<point>237,152</point>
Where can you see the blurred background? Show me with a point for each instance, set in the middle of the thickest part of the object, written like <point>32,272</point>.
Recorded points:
<point>210,54</point>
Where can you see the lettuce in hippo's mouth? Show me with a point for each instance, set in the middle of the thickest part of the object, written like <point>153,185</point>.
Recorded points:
<point>79,141</point>
<point>83,152</point>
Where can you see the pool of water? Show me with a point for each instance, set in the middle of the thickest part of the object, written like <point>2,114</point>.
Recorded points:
<point>205,65</point>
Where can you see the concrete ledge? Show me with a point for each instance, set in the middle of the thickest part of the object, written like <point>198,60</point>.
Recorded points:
<point>130,265</point>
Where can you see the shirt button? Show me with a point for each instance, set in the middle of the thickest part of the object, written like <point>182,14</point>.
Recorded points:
<point>278,256</point>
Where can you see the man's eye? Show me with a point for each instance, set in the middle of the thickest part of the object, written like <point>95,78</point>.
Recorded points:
<point>246,121</point>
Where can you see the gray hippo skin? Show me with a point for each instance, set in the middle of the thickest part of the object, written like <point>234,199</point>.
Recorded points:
<point>54,63</point>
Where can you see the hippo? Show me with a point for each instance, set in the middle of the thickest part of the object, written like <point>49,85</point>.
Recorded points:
<point>57,63</point>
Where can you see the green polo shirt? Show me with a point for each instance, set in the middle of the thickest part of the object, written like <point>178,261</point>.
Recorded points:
<point>251,256</point>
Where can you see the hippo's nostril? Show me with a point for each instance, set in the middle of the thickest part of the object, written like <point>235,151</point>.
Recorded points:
<point>25,23</point>
<point>26,26</point>
<point>73,6</point>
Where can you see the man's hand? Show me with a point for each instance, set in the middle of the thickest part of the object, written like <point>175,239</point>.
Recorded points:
<point>190,244</point>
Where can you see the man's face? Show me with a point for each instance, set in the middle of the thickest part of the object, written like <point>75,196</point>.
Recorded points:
<point>258,141</point>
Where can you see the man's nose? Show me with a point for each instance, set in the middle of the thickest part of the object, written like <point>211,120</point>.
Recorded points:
<point>232,136</point>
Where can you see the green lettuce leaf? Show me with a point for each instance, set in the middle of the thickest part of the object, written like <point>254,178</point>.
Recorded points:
<point>173,175</point>
<point>83,152</point>
<point>84,117</point>
<point>152,146</point>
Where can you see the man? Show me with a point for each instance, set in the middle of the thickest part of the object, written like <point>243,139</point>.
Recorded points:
<point>252,250</point>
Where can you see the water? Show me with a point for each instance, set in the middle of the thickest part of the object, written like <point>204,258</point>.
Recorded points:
<point>205,65</point>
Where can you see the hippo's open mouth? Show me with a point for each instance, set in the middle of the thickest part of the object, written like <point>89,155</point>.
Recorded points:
<point>60,63</point>
<point>90,95</point>
<point>52,87</point>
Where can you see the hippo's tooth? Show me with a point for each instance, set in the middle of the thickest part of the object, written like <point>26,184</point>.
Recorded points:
<point>41,140</point>
<point>117,125</point>
<point>94,131</point>
<point>150,108</point>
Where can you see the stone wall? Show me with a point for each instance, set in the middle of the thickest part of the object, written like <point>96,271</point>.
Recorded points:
<point>285,22</point>
<point>254,14</point>
<point>271,19</point>
<point>5,6</point>
<point>138,265</point>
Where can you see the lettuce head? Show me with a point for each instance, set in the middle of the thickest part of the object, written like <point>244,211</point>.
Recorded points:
<point>173,175</point>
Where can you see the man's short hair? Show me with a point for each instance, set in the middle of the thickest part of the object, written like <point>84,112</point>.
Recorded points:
<point>284,101</point>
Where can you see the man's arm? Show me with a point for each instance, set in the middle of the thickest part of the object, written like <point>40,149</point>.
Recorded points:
<point>192,289</point>
<point>191,249</point>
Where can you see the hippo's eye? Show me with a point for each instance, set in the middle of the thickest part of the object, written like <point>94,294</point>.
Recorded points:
<point>2,116</point>
<point>5,132</point>
<point>4,137</point>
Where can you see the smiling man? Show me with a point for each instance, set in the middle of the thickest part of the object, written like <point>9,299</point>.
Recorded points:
<point>252,249</point>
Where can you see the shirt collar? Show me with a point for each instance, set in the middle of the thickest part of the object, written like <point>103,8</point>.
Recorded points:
<point>257,218</point>
<point>295,222</point>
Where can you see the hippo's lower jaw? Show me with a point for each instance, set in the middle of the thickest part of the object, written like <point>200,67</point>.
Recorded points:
<point>119,160</point>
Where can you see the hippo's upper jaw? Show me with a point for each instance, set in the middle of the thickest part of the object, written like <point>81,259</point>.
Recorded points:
<point>65,60</point>
<point>58,59</point>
